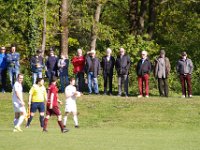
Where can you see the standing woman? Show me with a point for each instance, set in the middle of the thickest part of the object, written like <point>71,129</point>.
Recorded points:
<point>37,97</point>
<point>63,65</point>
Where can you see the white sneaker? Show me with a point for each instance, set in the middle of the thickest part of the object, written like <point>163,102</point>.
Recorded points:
<point>147,96</point>
<point>190,96</point>
<point>140,96</point>
<point>18,129</point>
<point>183,96</point>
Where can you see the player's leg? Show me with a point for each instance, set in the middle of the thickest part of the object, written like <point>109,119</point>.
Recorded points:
<point>21,118</point>
<point>48,114</point>
<point>41,109</point>
<point>16,119</point>
<point>57,112</point>
<point>32,113</point>
<point>75,117</point>
<point>65,119</point>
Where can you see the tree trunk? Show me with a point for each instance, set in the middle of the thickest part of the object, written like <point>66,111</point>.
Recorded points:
<point>133,16</point>
<point>64,27</point>
<point>152,17</point>
<point>44,28</point>
<point>143,11</point>
<point>94,27</point>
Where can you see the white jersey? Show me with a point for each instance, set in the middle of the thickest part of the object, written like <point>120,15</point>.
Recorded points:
<point>16,102</point>
<point>70,101</point>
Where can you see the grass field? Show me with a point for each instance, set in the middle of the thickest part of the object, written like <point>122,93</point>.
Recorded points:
<point>111,123</point>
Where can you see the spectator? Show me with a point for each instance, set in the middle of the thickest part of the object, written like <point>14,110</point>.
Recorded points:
<point>79,64</point>
<point>122,66</point>
<point>161,72</point>
<point>37,65</point>
<point>3,68</point>
<point>108,63</point>
<point>13,64</point>
<point>63,65</point>
<point>51,65</point>
<point>184,68</point>
<point>143,71</point>
<point>92,68</point>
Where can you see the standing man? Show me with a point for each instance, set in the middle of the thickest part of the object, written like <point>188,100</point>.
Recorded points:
<point>143,72</point>
<point>18,103</point>
<point>52,106</point>
<point>122,65</point>
<point>63,65</point>
<point>92,70</point>
<point>161,72</point>
<point>79,64</point>
<point>13,64</point>
<point>3,68</point>
<point>184,68</point>
<point>37,65</point>
<point>108,63</point>
<point>37,97</point>
<point>51,65</point>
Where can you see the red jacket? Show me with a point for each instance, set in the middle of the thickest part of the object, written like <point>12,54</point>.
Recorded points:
<point>78,63</point>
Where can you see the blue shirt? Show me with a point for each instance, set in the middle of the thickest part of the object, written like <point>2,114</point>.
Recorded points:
<point>3,61</point>
<point>13,60</point>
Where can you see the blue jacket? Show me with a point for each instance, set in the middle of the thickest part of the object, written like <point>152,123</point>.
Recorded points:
<point>3,61</point>
<point>13,60</point>
<point>37,64</point>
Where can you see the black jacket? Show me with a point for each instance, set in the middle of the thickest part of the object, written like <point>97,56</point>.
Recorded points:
<point>88,65</point>
<point>105,67</point>
<point>144,68</point>
<point>123,64</point>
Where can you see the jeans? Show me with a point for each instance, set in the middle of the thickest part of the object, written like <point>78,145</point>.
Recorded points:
<point>94,81</point>
<point>186,79</point>
<point>64,81</point>
<point>143,79</point>
<point>50,75</point>
<point>107,79</point>
<point>80,81</point>
<point>36,75</point>
<point>123,79</point>
<point>13,73</point>
<point>163,87</point>
<point>3,73</point>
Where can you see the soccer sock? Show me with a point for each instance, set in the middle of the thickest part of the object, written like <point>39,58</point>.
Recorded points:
<point>45,123</point>
<point>75,120</point>
<point>65,120</point>
<point>21,119</point>
<point>29,121</point>
<point>61,125</point>
<point>15,121</point>
<point>42,121</point>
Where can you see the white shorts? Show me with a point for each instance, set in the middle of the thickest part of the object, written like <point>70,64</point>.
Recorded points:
<point>71,107</point>
<point>18,107</point>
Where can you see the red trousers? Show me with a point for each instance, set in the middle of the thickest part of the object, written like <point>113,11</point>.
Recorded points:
<point>186,79</point>
<point>143,81</point>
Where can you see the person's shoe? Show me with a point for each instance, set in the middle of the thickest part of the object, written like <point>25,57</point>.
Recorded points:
<point>183,96</point>
<point>27,126</point>
<point>15,130</point>
<point>139,96</point>
<point>147,96</point>
<point>104,93</point>
<point>119,95</point>
<point>18,129</point>
<point>3,91</point>
<point>126,96</point>
<point>190,96</point>
<point>77,126</point>
<point>44,130</point>
<point>65,130</point>
<point>111,94</point>
<point>97,93</point>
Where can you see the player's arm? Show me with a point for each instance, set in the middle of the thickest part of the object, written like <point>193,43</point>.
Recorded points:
<point>51,100</point>
<point>19,96</point>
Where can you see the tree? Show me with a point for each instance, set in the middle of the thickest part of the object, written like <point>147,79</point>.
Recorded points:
<point>133,16</point>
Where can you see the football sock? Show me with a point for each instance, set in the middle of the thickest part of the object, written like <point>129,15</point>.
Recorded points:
<point>61,125</point>
<point>15,121</point>
<point>29,121</point>
<point>21,119</point>
<point>42,121</point>
<point>65,120</point>
<point>75,120</point>
<point>45,123</point>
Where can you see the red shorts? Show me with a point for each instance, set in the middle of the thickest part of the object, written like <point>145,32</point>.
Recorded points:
<point>54,111</point>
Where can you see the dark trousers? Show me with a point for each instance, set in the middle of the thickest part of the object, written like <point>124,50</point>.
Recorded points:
<point>123,79</point>
<point>3,74</point>
<point>80,81</point>
<point>186,80</point>
<point>163,87</point>
<point>107,79</point>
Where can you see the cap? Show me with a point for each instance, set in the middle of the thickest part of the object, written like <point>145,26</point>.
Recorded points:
<point>3,48</point>
<point>183,54</point>
<point>162,52</point>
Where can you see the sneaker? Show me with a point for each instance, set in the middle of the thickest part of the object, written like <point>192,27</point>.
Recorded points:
<point>104,93</point>
<point>140,96</point>
<point>77,126</point>
<point>65,130</point>
<point>147,96</point>
<point>44,130</point>
<point>27,126</point>
<point>3,91</point>
<point>126,96</point>
<point>190,96</point>
<point>18,129</point>
<point>183,96</point>
<point>15,130</point>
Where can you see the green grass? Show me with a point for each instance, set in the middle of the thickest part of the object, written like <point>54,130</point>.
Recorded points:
<point>111,123</point>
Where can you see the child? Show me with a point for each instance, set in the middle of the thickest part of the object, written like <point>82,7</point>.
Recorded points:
<point>71,95</point>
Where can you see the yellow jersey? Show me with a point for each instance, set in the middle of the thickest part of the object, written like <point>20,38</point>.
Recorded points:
<point>38,93</point>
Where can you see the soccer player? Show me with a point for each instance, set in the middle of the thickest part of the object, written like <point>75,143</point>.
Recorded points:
<point>18,103</point>
<point>37,96</point>
<point>52,106</point>
<point>71,95</point>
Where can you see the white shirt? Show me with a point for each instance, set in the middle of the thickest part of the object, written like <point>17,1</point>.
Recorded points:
<point>70,90</point>
<point>17,88</point>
